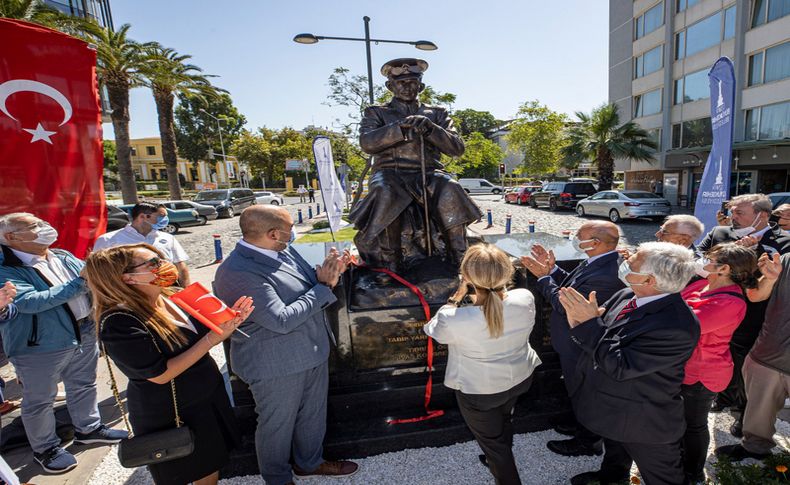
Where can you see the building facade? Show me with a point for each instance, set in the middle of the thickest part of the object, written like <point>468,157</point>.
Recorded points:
<point>149,166</point>
<point>660,52</point>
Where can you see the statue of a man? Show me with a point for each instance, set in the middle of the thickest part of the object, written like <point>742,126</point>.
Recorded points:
<point>405,138</point>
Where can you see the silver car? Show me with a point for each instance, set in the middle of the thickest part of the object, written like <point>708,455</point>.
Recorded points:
<point>268,198</point>
<point>624,204</point>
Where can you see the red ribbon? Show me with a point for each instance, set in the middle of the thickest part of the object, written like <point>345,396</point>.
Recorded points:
<point>429,413</point>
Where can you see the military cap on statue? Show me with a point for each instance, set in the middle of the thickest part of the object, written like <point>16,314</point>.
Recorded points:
<point>404,68</point>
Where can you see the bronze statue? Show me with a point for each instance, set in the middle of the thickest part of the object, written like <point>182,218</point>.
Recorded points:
<point>406,139</point>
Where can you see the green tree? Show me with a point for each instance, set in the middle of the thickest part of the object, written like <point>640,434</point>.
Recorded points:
<point>167,73</point>
<point>599,136</point>
<point>38,12</point>
<point>468,121</point>
<point>481,157</point>
<point>343,150</point>
<point>196,132</point>
<point>110,155</point>
<point>538,134</point>
<point>266,150</point>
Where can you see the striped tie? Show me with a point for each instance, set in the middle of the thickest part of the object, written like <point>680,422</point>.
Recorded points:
<point>628,308</point>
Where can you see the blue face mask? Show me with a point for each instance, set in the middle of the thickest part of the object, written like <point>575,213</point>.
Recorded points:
<point>161,223</point>
<point>290,239</point>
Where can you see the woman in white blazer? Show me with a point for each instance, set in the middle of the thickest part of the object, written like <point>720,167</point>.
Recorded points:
<point>490,362</point>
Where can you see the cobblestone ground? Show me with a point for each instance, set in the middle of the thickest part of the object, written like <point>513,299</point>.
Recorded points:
<point>631,232</point>
<point>199,244</point>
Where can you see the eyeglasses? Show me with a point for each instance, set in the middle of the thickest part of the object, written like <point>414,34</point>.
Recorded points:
<point>156,262</point>
<point>33,226</point>
<point>664,232</point>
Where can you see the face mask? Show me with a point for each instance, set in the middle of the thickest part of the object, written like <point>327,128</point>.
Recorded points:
<point>577,244</point>
<point>699,268</point>
<point>745,231</point>
<point>290,239</point>
<point>45,235</point>
<point>165,275</point>
<point>161,223</point>
<point>625,270</point>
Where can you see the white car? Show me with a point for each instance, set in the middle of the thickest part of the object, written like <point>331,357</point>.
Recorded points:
<point>268,198</point>
<point>480,186</point>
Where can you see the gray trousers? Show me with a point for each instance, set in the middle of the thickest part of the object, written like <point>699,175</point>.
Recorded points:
<point>766,391</point>
<point>40,374</point>
<point>291,420</point>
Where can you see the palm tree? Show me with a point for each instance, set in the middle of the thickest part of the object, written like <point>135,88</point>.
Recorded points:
<point>168,75</point>
<point>119,62</point>
<point>599,136</point>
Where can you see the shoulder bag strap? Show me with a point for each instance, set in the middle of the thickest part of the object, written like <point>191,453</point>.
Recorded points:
<point>114,384</point>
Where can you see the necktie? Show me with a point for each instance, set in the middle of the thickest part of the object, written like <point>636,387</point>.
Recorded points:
<point>628,308</point>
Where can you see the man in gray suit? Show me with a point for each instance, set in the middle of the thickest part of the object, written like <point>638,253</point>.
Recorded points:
<point>285,359</point>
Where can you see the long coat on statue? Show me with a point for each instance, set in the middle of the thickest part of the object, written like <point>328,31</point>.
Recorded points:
<point>390,219</point>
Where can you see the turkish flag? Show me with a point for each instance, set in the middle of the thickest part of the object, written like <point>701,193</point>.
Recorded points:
<point>51,156</point>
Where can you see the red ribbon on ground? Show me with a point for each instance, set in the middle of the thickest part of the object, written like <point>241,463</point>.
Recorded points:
<point>429,413</point>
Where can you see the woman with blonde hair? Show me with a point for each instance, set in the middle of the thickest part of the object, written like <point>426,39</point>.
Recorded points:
<point>490,362</point>
<point>164,353</point>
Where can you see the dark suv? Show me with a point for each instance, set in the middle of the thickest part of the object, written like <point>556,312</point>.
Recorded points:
<point>561,194</point>
<point>228,202</point>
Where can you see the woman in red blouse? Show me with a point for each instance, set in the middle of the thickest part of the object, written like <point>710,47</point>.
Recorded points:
<point>718,301</point>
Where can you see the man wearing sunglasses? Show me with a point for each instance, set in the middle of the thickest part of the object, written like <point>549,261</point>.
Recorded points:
<point>52,338</point>
<point>148,222</point>
<point>401,135</point>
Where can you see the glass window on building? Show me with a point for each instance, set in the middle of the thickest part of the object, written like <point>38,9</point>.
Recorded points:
<point>649,21</point>
<point>150,150</point>
<point>704,34</point>
<point>752,124</point>
<point>134,151</point>
<point>676,135</point>
<point>650,61</point>
<point>677,89</point>
<point>769,10</point>
<point>696,86</point>
<point>775,121</point>
<point>696,133</point>
<point>684,4</point>
<point>163,173</point>
<point>777,62</point>
<point>680,45</point>
<point>729,22</point>
<point>655,136</point>
<point>778,9</point>
<point>648,103</point>
<point>756,69</point>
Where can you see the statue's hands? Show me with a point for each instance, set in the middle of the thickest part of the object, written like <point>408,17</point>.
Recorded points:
<point>418,123</point>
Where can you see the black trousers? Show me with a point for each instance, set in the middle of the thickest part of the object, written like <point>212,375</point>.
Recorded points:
<point>697,400</point>
<point>490,418</point>
<point>734,396</point>
<point>659,464</point>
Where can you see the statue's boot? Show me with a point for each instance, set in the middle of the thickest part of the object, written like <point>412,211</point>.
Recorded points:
<point>456,242</point>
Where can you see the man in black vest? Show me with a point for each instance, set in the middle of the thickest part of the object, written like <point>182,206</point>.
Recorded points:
<point>598,240</point>
<point>750,227</point>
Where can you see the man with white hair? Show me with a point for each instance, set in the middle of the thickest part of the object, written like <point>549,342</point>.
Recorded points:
<point>52,338</point>
<point>629,378</point>
<point>682,229</point>
<point>750,214</point>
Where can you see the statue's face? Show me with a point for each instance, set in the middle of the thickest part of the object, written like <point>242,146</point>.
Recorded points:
<point>405,89</point>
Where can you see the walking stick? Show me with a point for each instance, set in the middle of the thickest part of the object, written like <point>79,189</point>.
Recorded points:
<point>425,196</point>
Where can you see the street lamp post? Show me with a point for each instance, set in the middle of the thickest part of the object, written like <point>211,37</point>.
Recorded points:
<point>419,44</point>
<point>221,144</point>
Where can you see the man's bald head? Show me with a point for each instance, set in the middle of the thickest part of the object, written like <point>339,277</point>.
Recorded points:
<point>260,225</point>
<point>604,232</point>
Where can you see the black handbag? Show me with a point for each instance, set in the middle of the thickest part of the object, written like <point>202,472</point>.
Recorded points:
<point>151,448</point>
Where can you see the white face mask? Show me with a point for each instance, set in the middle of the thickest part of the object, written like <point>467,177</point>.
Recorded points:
<point>577,244</point>
<point>699,268</point>
<point>46,235</point>
<point>625,270</point>
<point>745,231</point>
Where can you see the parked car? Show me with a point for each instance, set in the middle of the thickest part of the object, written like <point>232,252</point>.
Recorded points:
<point>585,179</point>
<point>178,218</point>
<point>205,212</point>
<point>521,195</point>
<point>626,204</point>
<point>228,202</point>
<point>117,218</point>
<point>268,198</point>
<point>561,194</point>
<point>779,198</point>
<point>480,186</point>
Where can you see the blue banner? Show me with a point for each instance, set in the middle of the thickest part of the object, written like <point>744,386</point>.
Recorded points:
<point>715,184</point>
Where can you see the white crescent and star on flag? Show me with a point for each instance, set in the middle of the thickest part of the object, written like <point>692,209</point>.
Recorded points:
<point>39,133</point>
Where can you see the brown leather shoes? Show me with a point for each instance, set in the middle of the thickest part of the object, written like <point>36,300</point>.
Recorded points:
<point>330,469</point>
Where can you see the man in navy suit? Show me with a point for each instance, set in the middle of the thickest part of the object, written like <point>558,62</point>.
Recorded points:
<point>598,240</point>
<point>635,349</point>
<point>285,359</point>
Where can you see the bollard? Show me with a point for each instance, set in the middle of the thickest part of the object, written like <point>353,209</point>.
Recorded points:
<point>507,223</point>
<point>318,209</point>
<point>309,212</point>
<point>531,226</point>
<point>299,216</point>
<point>217,248</point>
<point>566,234</point>
<point>490,218</point>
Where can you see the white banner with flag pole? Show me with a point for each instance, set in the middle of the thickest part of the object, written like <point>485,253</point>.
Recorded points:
<point>331,189</point>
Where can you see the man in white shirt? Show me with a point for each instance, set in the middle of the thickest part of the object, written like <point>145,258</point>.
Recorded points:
<point>52,338</point>
<point>148,220</point>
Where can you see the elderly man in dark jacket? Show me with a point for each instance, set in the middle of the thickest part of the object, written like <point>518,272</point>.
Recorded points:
<point>402,136</point>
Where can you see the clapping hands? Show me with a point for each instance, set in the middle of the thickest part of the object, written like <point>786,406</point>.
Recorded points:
<point>770,266</point>
<point>7,294</point>
<point>540,262</point>
<point>578,308</point>
<point>334,265</point>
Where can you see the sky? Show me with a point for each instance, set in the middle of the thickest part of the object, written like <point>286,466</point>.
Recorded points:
<point>494,55</point>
